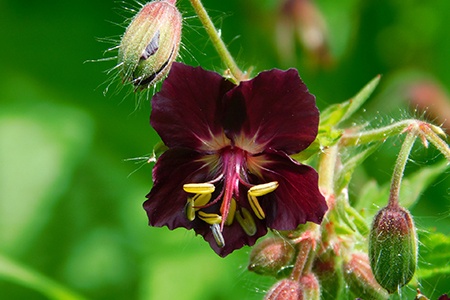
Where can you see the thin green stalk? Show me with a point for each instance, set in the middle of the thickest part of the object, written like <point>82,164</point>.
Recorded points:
<point>304,249</point>
<point>217,41</point>
<point>399,168</point>
<point>379,134</point>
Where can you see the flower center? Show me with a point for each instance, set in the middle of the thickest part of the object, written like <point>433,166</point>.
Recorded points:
<point>234,175</point>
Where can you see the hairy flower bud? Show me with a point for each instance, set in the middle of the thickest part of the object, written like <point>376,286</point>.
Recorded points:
<point>285,289</point>
<point>271,256</point>
<point>150,43</point>
<point>310,286</point>
<point>360,279</point>
<point>393,247</point>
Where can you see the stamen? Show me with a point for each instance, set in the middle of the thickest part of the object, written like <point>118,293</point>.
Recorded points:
<point>201,200</point>
<point>263,189</point>
<point>245,219</point>
<point>254,204</point>
<point>231,212</point>
<point>210,218</point>
<point>218,237</point>
<point>199,188</point>
<point>189,209</point>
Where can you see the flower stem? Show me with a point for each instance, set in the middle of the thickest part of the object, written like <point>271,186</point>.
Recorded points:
<point>379,134</point>
<point>305,246</point>
<point>236,73</point>
<point>399,168</point>
<point>327,165</point>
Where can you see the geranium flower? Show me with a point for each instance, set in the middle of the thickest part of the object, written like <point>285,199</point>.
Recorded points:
<point>227,173</point>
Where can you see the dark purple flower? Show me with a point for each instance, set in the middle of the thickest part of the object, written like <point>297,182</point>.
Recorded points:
<point>227,173</point>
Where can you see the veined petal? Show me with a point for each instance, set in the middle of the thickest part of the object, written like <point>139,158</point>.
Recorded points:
<point>272,111</point>
<point>297,198</point>
<point>167,199</point>
<point>187,112</point>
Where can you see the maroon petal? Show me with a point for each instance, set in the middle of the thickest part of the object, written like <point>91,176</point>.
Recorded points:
<point>187,112</point>
<point>167,199</point>
<point>275,110</point>
<point>297,198</point>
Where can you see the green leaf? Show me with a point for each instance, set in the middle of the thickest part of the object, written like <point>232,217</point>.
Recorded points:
<point>330,118</point>
<point>415,184</point>
<point>333,114</point>
<point>370,197</point>
<point>373,196</point>
<point>337,113</point>
<point>326,137</point>
<point>434,255</point>
<point>348,167</point>
<point>357,101</point>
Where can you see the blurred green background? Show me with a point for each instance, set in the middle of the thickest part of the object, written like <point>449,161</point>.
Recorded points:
<point>71,217</point>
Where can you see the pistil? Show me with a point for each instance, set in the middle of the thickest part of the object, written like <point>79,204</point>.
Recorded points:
<point>233,175</point>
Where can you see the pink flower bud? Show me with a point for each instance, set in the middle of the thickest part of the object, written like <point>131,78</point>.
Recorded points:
<point>310,286</point>
<point>150,43</point>
<point>271,256</point>
<point>285,289</point>
<point>360,279</point>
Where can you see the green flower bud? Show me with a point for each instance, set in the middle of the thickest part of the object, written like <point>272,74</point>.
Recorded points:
<point>150,43</point>
<point>360,279</point>
<point>310,287</point>
<point>285,289</point>
<point>271,256</point>
<point>393,247</point>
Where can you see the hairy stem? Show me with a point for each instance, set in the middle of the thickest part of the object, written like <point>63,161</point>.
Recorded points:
<point>399,167</point>
<point>305,246</point>
<point>236,73</point>
<point>379,134</point>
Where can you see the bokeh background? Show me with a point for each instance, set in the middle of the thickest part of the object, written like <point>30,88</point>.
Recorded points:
<point>71,192</point>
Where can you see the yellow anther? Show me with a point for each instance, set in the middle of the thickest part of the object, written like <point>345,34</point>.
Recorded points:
<point>199,188</point>
<point>245,219</point>
<point>210,218</point>
<point>201,200</point>
<point>218,237</point>
<point>254,204</point>
<point>263,189</point>
<point>189,209</point>
<point>231,212</point>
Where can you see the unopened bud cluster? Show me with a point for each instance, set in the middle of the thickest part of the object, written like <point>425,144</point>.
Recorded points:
<point>280,257</point>
<point>324,272</point>
<point>150,44</point>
